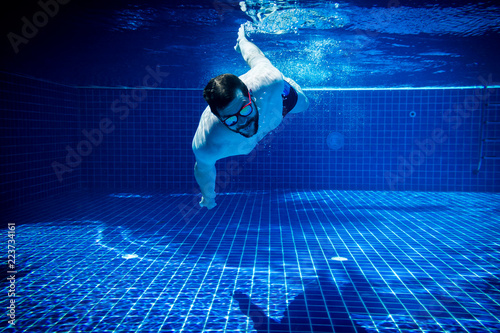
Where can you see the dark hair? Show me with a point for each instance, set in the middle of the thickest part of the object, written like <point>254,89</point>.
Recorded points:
<point>221,90</point>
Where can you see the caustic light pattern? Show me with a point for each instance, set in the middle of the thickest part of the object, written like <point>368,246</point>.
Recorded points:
<point>329,261</point>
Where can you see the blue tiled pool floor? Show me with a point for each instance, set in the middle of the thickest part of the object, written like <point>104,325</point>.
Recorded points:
<point>278,261</point>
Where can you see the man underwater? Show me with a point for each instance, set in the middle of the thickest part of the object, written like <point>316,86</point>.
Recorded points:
<point>241,111</point>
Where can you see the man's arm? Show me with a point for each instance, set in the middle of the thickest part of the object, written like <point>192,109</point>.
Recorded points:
<point>206,149</point>
<point>205,175</point>
<point>250,52</point>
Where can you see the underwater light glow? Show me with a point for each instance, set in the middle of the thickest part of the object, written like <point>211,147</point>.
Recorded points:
<point>339,259</point>
<point>335,140</point>
<point>130,256</point>
<point>129,195</point>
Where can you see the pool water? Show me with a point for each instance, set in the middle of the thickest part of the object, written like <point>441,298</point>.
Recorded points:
<point>317,43</point>
<point>341,261</point>
<point>404,97</point>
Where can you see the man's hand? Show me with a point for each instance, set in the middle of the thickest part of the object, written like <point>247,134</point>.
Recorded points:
<point>241,36</point>
<point>249,51</point>
<point>207,202</point>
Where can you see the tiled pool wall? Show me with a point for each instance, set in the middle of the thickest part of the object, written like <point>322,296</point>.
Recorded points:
<point>57,138</point>
<point>38,119</point>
